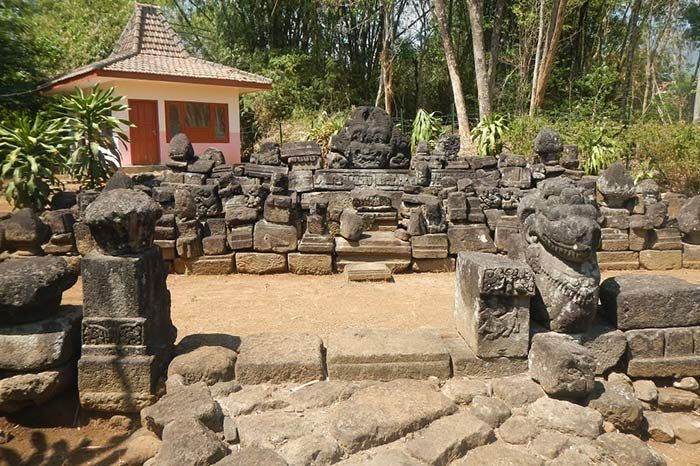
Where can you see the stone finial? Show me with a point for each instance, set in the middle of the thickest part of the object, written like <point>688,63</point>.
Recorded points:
<point>181,149</point>
<point>122,221</point>
<point>616,185</point>
<point>548,141</point>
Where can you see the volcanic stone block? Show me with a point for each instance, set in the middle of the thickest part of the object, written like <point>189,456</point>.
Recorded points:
<point>222,264</point>
<point>616,185</point>
<point>362,272</point>
<point>310,264</point>
<point>59,221</point>
<point>278,209</point>
<point>516,177</point>
<point>25,230</point>
<point>351,225</point>
<point>261,263</point>
<point>563,367</point>
<point>666,239</point>
<point>470,238</point>
<point>614,239</point>
<point>457,210</point>
<point>432,246</point>
<point>41,345</point>
<point>316,244</point>
<point>32,288</point>
<point>374,246</point>
<point>240,238</point>
<point>280,358</point>
<point>167,248</point>
<point>301,181</point>
<point>618,260</point>
<point>434,265</point>
<point>639,239</point>
<point>670,352</point>
<point>272,237</point>
<point>492,304</point>
<point>189,247</point>
<point>214,245</point>
<point>650,301</point>
<point>194,179</point>
<point>507,233</point>
<point>615,218</point>
<point>661,260</point>
<point>386,355</point>
<point>20,390</point>
<point>122,221</point>
<point>691,256</point>
<point>263,171</point>
<point>240,215</point>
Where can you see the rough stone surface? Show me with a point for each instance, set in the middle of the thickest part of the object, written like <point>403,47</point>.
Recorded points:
<point>260,262</point>
<point>385,355</point>
<point>208,364</point>
<point>627,449</point>
<point>253,456</point>
<point>518,430</point>
<point>351,225</point>
<point>32,287</point>
<point>658,427</point>
<point>41,345</point>
<point>492,411</point>
<point>192,402</point>
<point>272,237</point>
<point>689,220</point>
<point>462,391</point>
<point>674,399</point>
<point>562,367</point>
<point>367,271</point>
<point>141,446</point>
<point>567,418</point>
<point>18,391</point>
<point>645,390</point>
<point>188,442</point>
<point>607,344</point>
<point>618,405</point>
<point>382,413</point>
<point>516,391</point>
<point>310,264</point>
<point>616,185</point>
<point>280,358</point>
<point>122,221</point>
<point>661,260</point>
<point>686,427</point>
<point>499,454</point>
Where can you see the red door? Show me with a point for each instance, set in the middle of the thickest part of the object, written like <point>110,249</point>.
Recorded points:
<point>145,148</point>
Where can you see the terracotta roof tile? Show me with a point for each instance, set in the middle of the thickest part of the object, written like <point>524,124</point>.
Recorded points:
<point>149,45</point>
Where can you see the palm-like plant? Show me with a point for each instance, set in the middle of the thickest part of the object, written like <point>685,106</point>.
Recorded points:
<point>32,153</point>
<point>426,127</point>
<point>488,135</point>
<point>96,133</point>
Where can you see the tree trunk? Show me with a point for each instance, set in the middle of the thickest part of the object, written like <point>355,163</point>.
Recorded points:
<point>558,10</point>
<point>466,146</point>
<point>633,34</point>
<point>696,104</point>
<point>387,56</point>
<point>538,55</point>
<point>476,21</point>
<point>495,48</point>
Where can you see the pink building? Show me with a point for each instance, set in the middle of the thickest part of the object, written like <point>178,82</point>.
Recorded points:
<point>167,91</point>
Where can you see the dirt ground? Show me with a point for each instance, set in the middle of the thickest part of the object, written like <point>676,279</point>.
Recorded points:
<point>244,305</point>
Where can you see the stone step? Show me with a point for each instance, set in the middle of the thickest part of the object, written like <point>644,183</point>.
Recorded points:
<point>367,271</point>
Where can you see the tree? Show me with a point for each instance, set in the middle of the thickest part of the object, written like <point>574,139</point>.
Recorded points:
<point>692,18</point>
<point>466,146</point>
<point>633,35</point>
<point>476,20</point>
<point>556,22</point>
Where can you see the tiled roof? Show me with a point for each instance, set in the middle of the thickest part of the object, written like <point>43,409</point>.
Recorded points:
<point>149,46</point>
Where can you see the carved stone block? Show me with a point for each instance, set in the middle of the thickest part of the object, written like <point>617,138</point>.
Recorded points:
<point>492,304</point>
<point>431,246</point>
<point>614,239</point>
<point>271,237</point>
<point>470,238</point>
<point>240,238</point>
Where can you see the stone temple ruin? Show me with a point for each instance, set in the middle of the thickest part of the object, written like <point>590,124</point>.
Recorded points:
<point>546,364</point>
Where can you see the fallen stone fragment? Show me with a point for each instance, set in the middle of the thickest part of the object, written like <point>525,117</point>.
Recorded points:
<point>449,438</point>
<point>566,417</point>
<point>188,442</point>
<point>607,343</point>
<point>492,411</point>
<point>583,452</point>
<point>385,412</point>
<point>394,456</point>
<point>251,399</point>
<point>189,402</point>
<point>628,449</point>
<point>618,405</point>
<point>462,391</point>
<point>18,391</point>
<point>645,390</point>
<point>657,427</point>
<point>311,449</point>
<point>208,364</point>
<point>549,444</point>
<point>141,446</point>
<point>687,383</point>
<point>273,429</point>
<point>518,430</point>
<point>252,456</point>
<point>230,430</point>
<point>499,454</point>
<point>279,358</point>
<point>675,399</point>
<point>563,367</point>
<point>517,391</point>
<point>686,427</point>
<point>367,271</point>
<point>351,225</point>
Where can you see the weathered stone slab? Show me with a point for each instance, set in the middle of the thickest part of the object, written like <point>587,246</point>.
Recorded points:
<point>669,352</point>
<point>189,402</point>
<point>189,442</point>
<point>434,265</point>
<point>492,304</point>
<point>374,246</point>
<point>661,260</point>
<point>348,179</point>
<point>20,390</point>
<point>261,262</point>
<point>437,175</point>
<point>40,345</point>
<point>501,452</point>
<point>271,237</point>
<point>253,456</point>
<point>691,256</point>
<point>666,239</point>
<point>618,260</point>
<point>470,238</point>
<point>431,246</point>
<point>385,412</point>
<point>310,264</point>
<point>449,438</point>
<point>316,244</point>
<point>650,301</point>
<point>214,245</point>
<point>466,363</point>
<point>367,271</point>
<point>614,239</point>
<point>263,171</point>
<point>567,418</point>
<point>386,355</point>
<point>206,265</point>
<point>280,358</point>
<point>301,180</point>
<point>240,238</point>
<point>563,367</point>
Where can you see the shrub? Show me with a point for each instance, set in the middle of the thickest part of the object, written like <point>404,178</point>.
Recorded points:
<point>488,135</point>
<point>324,127</point>
<point>32,152</point>
<point>96,134</point>
<point>426,127</point>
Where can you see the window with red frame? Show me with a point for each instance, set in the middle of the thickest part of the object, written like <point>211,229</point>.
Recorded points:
<point>200,121</point>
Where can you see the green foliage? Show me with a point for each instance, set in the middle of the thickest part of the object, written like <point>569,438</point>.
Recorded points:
<point>32,154</point>
<point>598,149</point>
<point>488,135</point>
<point>95,132</point>
<point>426,127</point>
<point>324,127</point>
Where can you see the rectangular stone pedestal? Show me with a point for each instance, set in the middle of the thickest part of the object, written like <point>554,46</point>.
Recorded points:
<point>374,246</point>
<point>492,304</point>
<point>664,352</point>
